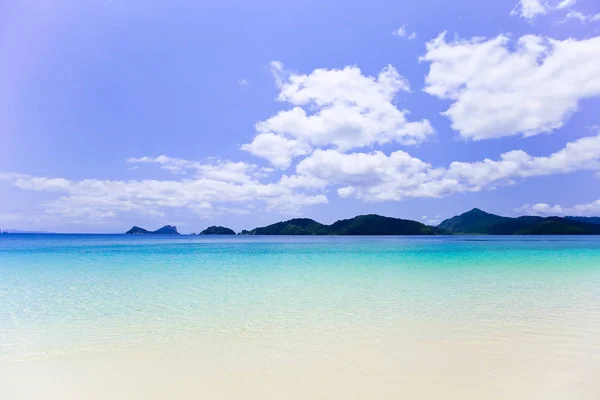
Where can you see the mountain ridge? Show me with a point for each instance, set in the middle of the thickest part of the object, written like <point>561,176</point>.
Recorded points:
<point>477,221</point>
<point>369,224</point>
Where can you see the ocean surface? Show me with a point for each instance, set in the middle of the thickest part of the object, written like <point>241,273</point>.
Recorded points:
<point>514,302</point>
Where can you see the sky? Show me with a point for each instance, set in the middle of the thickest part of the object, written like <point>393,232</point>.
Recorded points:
<point>116,113</point>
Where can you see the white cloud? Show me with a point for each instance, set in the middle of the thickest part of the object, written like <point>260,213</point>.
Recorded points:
<point>587,209</point>
<point>279,150</point>
<point>369,176</point>
<point>499,91</point>
<point>431,221</point>
<point>401,32</point>
<point>529,9</point>
<point>582,154</point>
<point>243,82</point>
<point>340,108</point>
<point>592,208</point>
<point>540,209</point>
<point>565,4</point>
<point>232,187</point>
<point>231,210</point>
<point>583,18</point>
<point>228,171</point>
<point>376,176</point>
<point>290,203</point>
<point>303,181</point>
<point>211,190</point>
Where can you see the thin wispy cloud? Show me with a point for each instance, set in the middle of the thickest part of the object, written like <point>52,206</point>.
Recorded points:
<point>531,9</point>
<point>565,4</point>
<point>544,209</point>
<point>403,33</point>
<point>583,18</point>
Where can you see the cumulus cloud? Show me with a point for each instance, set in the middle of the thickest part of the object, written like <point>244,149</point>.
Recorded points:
<point>339,108</point>
<point>279,150</point>
<point>210,190</point>
<point>230,187</point>
<point>586,209</point>
<point>496,90</point>
<point>376,176</point>
<point>370,176</point>
<point>403,33</point>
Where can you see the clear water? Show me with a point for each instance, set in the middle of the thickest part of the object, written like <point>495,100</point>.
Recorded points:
<point>91,293</point>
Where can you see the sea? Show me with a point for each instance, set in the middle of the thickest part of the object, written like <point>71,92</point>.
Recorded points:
<point>438,317</point>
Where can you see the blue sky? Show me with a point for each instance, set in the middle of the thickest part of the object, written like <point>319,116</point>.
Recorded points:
<point>115,113</point>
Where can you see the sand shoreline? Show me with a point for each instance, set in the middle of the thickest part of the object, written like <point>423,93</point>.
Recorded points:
<point>328,368</point>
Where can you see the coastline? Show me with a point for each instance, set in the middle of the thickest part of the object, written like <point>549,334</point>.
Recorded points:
<point>511,365</point>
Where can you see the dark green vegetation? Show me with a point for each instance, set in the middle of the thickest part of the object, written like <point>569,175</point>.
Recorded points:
<point>165,230</point>
<point>362,225</point>
<point>217,230</point>
<point>296,226</point>
<point>480,222</point>
<point>475,221</point>
<point>588,220</point>
<point>377,225</point>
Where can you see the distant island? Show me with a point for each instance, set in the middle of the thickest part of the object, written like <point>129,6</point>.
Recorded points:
<point>165,230</point>
<point>217,230</point>
<point>477,221</point>
<point>474,222</point>
<point>361,225</point>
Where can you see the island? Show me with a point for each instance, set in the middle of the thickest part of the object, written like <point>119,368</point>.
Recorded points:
<point>165,230</point>
<point>473,222</point>
<point>480,222</point>
<point>217,230</point>
<point>370,224</point>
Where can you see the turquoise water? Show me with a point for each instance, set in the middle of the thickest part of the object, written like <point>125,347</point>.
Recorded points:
<point>88,293</point>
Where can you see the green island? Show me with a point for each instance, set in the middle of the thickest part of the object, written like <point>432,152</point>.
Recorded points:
<point>217,230</point>
<point>474,222</point>
<point>361,225</point>
<point>165,230</point>
<point>480,222</point>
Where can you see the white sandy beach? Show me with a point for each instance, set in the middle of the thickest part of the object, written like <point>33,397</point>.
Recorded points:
<point>511,366</point>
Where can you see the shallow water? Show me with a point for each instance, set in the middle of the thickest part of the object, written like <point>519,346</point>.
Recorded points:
<point>512,303</point>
